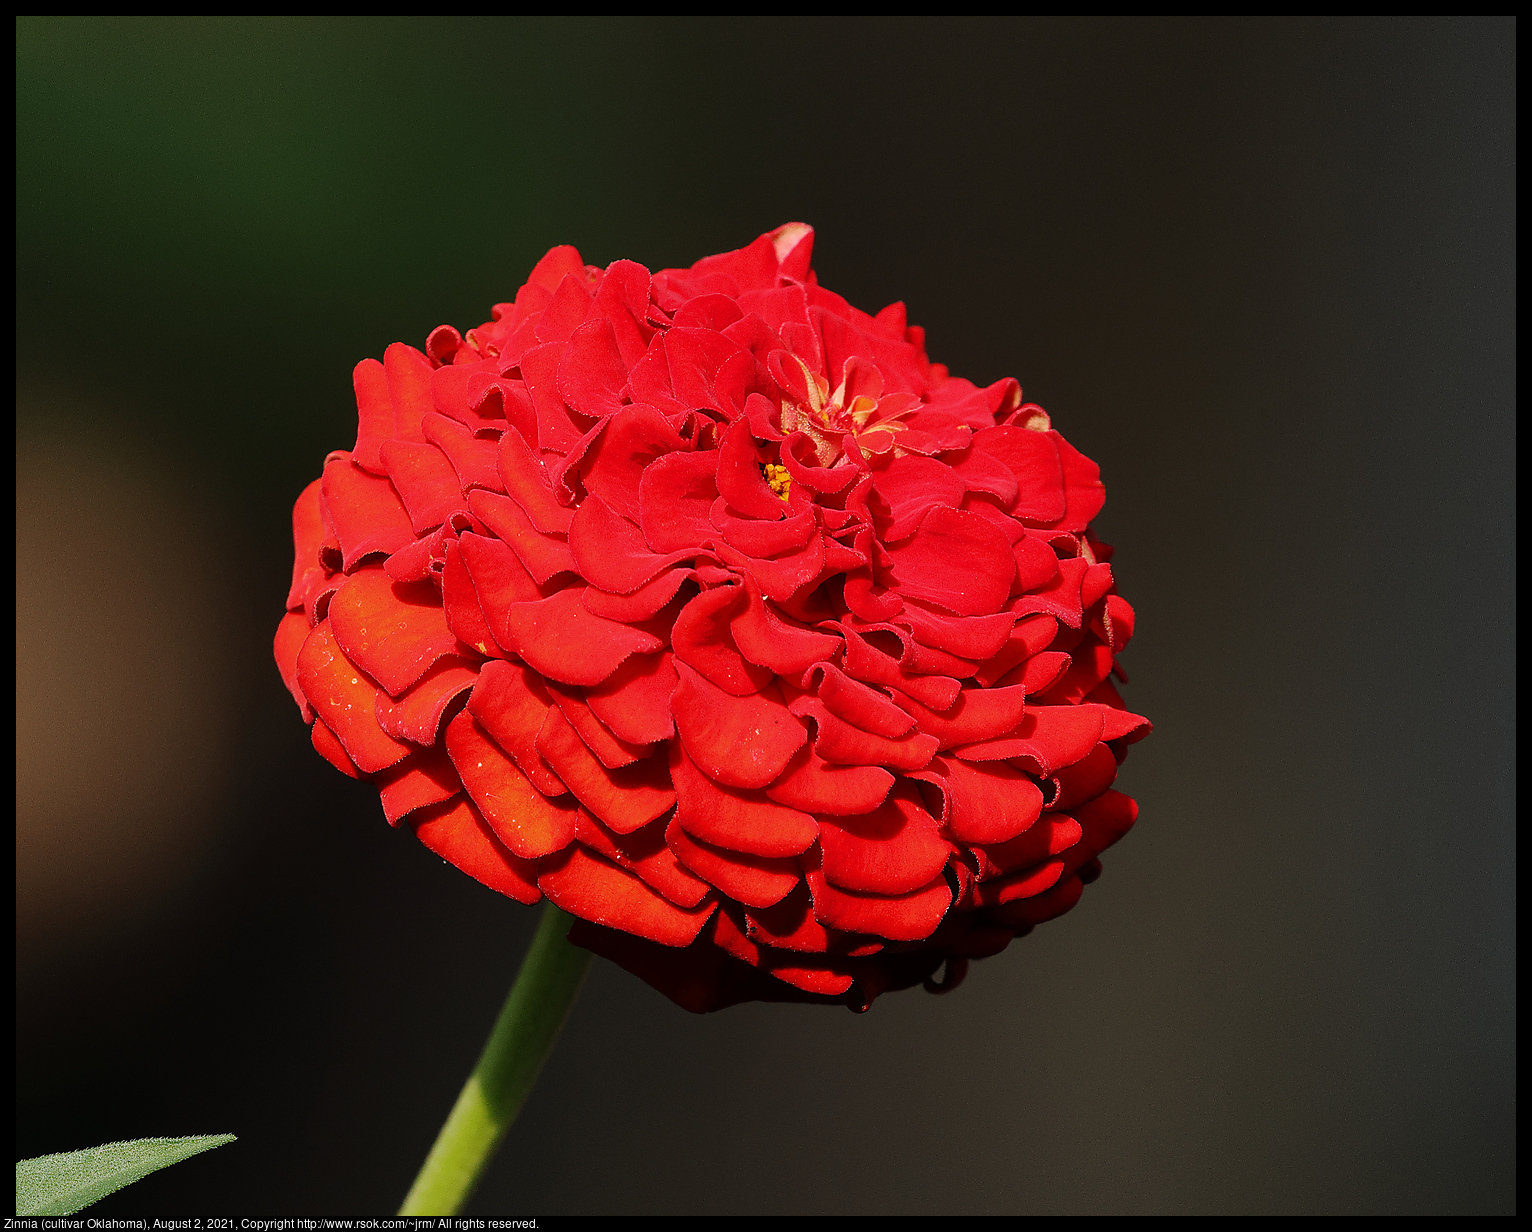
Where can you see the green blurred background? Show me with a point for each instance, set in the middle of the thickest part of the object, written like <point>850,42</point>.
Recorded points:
<point>1262,271</point>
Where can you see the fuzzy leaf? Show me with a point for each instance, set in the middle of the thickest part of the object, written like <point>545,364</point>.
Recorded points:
<point>64,1183</point>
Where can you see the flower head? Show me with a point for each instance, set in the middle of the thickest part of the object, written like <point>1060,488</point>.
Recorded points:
<point>704,604</point>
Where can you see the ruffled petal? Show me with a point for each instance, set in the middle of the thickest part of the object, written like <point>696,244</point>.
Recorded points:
<point>625,798</point>
<point>737,820</point>
<point>813,785</point>
<point>839,742</point>
<point>597,890</point>
<point>988,802</point>
<point>365,511</point>
<point>345,699</point>
<point>895,849</point>
<point>457,833</point>
<point>511,703</point>
<point>644,853</point>
<point>565,641</point>
<point>391,630</point>
<point>899,917</point>
<point>756,881</point>
<point>736,741</point>
<point>924,568</point>
<point>421,779</point>
<point>525,820</point>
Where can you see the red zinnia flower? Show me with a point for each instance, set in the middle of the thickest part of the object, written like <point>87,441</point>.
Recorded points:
<point>707,606</point>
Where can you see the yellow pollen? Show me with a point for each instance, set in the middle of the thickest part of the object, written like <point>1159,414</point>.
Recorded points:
<point>778,480</point>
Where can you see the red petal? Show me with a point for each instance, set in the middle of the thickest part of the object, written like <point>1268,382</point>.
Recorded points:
<point>866,663</point>
<point>739,475</point>
<point>902,917</point>
<point>845,745</point>
<point>733,819</point>
<point>344,698</point>
<point>308,535</point>
<point>765,639</point>
<point>989,803</point>
<point>522,817</point>
<point>1039,674</point>
<point>328,746</point>
<point>1024,883</point>
<point>1030,912</point>
<point>783,577</point>
<point>1036,565</point>
<point>555,265</point>
<point>623,299</point>
<point>857,704</point>
<point>498,579</point>
<point>1034,459</point>
<point>556,432</point>
<point>760,538</point>
<point>460,605</point>
<point>911,485</point>
<point>292,632</point>
<point>643,852</point>
<point>609,750</point>
<point>642,603</point>
<point>626,798</point>
<point>543,554</point>
<point>393,631</point>
<point>417,714</point>
<point>756,881</point>
<point>592,374</point>
<point>895,849</point>
<point>421,779</point>
<point>924,568</point>
<point>1030,636</point>
<point>1106,819</point>
<point>1060,598</point>
<point>610,551</point>
<point>597,890</point>
<point>364,510</point>
<point>1086,779</point>
<point>476,462</point>
<point>1084,492</point>
<point>737,741</point>
<point>425,480</point>
<point>970,637</point>
<point>676,498</point>
<point>789,925</point>
<point>983,472</point>
<point>457,833</point>
<point>409,389</point>
<point>1051,834</point>
<point>570,303</point>
<point>978,714</point>
<point>566,642</point>
<point>614,466</point>
<point>1121,616</point>
<point>1046,738</point>
<point>1117,723</point>
<point>816,786</point>
<point>374,414</point>
<point>634,701</point>
<point>703,639</point>
<point>511,703</point>
<point>528,483</point>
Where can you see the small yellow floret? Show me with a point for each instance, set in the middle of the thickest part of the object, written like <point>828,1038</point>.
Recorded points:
<point>778,480</point>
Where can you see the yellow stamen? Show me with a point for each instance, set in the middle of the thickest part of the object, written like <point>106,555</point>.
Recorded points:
<point>778,480</point>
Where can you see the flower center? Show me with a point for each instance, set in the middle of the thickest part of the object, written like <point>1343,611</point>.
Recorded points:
<point>778,480</point>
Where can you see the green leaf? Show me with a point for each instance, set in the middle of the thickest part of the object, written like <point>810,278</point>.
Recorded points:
<point>63,1184</point>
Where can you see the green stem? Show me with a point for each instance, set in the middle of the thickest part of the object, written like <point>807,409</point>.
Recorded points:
<point>522,1038</point>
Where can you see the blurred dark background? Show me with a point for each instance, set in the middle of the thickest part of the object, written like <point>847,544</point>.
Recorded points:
<point>1262,271</point>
